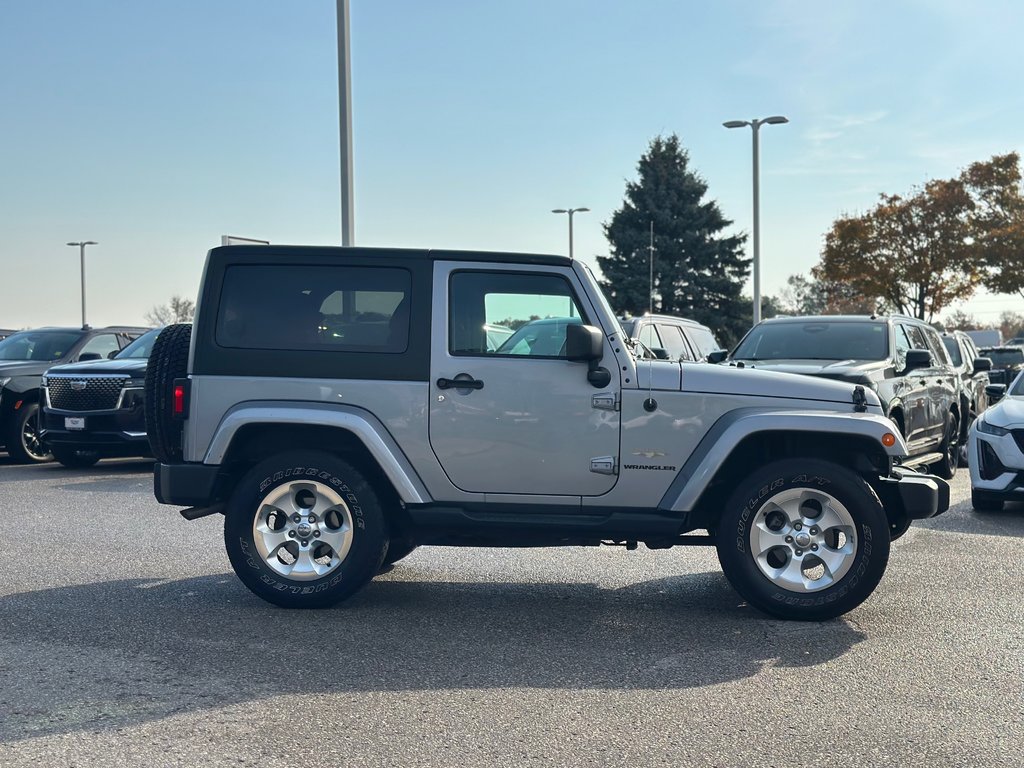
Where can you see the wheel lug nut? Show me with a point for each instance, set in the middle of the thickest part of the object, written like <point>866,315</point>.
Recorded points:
<point>797,526</point>
<point>316,534</point>
<point>305,542</point>
<point>799,552</point>
<point>296,518</point>
<point>789,539</point>
<point>312,518</point>
<point>814,530</point>
<point>291,534</point>
<point>814,547</point>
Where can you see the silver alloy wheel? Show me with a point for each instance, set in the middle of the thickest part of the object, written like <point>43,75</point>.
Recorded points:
<point>803,540</point>
<point>303,530</point>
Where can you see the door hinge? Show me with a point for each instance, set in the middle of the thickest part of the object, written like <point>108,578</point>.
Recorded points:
<point>604,465</point>
<point>606,401</point>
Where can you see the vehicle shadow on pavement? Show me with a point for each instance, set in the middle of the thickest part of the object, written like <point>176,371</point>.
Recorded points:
<point>108,468</point>
<point>1008,522</point>
<point>118,653</point>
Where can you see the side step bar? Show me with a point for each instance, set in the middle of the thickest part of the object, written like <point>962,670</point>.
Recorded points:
<point>923,460</point>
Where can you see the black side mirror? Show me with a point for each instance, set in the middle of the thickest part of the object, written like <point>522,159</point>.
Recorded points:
<point>995,392</point>
<point>88,356</point>
<point>982,364</point>
<point>659,353</point>
<point>112,354</point>
<point>583,343</point>
<point>718,356</point>
<point>918,358</point>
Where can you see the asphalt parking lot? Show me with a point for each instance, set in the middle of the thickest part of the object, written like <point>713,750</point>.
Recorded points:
<point>127,640</point>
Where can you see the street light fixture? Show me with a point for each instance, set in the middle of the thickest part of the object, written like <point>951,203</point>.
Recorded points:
<point>570,211</point>
<point>755,125</point>
<point>81,253</point>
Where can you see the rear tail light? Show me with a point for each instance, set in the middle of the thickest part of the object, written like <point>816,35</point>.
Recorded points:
<point>180,400</point>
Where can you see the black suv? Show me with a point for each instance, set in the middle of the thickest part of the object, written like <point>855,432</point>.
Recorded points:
<point>94,410</point>
<point>1007,362</point>
<point>972,368</point>
<point>672,338</point>
<point>24,357</point>
<point>900,358</point>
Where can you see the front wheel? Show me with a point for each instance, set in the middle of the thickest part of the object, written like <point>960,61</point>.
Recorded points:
<point>304,530</point>
<point>982,502</point>
<point>950,449</point>
<point>804,539</point>
<point>24,445</point>
<point>73,458</point>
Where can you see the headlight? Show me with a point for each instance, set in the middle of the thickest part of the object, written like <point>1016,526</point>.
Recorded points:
<point>42,382</point>
<point>991,429</point>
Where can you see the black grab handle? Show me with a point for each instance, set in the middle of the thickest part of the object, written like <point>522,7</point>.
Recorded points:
<point>460,384</point>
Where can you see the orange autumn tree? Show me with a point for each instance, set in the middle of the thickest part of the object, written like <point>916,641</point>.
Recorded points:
<point>920,253</point>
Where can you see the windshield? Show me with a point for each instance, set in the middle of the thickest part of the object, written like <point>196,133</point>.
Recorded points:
<point>1017,387</point>
<point>953,348</point>
<point>818,340</point>
<point>38,346</point>
<point>141,347</point>
<point>1004,357</point>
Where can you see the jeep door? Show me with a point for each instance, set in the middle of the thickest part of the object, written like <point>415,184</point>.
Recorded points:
<point>525,419</point>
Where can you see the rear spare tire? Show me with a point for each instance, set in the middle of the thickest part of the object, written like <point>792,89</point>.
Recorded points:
<point>167,362</point>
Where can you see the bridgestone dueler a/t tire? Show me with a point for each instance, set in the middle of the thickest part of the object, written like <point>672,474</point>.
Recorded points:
<point>369,530</point>
<point>869,557</point>
<point>167,362</point>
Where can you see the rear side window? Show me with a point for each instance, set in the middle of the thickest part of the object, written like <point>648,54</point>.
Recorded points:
<point>672,338</point>
<point>953,349</point>
<point>305,307</point>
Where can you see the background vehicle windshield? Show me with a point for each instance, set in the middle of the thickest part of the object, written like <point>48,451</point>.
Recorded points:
<point>38,346</point>
<point>815,341</point>
<point>1001,357</point>
<point>954,350</point>
<point>1017,388</point>
<point>141,347</point>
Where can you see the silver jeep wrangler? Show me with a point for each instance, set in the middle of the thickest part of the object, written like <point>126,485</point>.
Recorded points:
<point>342,406</point>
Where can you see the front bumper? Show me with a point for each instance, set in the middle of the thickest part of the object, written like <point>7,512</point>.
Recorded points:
<point>909,495</point>
<point>121,432</point>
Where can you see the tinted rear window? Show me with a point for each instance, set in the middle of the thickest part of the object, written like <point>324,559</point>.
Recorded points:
<point>816,341</point>
<point>1004,356</point>
<point>39,346</point>
<point>353,309</point>
<point>953,348</point>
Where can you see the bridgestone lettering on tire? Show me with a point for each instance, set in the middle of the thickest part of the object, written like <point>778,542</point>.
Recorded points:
<point>804,539</point>
<point>304,530</point>
<point>167,362</point>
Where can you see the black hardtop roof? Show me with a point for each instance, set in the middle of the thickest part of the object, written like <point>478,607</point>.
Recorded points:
<point>298,251</point>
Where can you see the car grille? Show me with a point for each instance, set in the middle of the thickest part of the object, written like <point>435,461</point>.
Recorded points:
<point>1018,437</point>
<point>99,393</point>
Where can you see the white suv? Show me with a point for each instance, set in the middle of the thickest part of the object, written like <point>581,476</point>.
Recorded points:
<point>996,445</point>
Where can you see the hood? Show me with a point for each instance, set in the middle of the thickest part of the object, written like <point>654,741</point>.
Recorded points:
<point>134,366</point>
<point>1008,412</point>
<point>835,369</point>
<point>751,382</point>
<point>22,368</point>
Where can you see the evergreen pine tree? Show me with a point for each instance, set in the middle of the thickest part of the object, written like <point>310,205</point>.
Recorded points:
<point>698,273</point>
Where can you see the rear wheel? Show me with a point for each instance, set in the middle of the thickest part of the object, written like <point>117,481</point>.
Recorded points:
<point>24,445</point>
<point>167,362</point>
<point>804,539</point>
<point>305,530</point>
<point>73,458</point>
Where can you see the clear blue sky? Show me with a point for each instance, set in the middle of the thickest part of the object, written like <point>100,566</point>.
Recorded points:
<point>156,127</point>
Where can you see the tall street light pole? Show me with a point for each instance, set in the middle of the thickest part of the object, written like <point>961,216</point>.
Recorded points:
<point>570,211</point>
<point>81,255</point>
<point>755,125</point>
<point>345,125</point>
